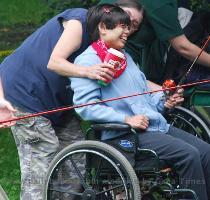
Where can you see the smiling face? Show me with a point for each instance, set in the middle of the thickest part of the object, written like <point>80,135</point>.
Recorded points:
<point>114,38</point>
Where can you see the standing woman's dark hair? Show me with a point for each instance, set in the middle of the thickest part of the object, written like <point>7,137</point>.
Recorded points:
<point>129,4</point>
<point>108,14</point>
<point>132,4</point>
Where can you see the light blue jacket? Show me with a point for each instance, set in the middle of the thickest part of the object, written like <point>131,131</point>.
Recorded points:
<point>130,82</point>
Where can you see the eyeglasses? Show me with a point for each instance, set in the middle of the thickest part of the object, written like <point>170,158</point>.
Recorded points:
<point>134,25</point>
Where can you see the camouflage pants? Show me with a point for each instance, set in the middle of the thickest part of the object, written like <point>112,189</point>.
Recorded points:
<point>37,143</point>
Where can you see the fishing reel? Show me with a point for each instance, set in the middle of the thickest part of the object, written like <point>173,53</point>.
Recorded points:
<point>169,87</point>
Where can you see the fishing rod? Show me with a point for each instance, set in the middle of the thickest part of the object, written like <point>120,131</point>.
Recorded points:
<point>194,61</point>
<point>171,83</point>
<point>102,101</point>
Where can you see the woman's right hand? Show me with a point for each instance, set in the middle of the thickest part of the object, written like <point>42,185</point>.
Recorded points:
<point>101,71</point>
<point>6,113</point>
<point>138,121</point>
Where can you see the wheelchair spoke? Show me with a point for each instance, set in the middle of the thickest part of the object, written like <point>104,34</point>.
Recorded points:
<point>78,173</point>
<point>110,189</point>
<point>187,120</point>
<point>64,190</point>
<point>187,124</point>
<point>98,170</point>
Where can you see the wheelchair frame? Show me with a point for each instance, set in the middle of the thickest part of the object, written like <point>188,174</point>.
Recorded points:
<point>185,119</point>
<point>135,182</point>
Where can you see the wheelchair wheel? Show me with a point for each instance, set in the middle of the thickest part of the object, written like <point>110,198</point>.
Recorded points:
<point>93,171</point>
<point>188,121</point>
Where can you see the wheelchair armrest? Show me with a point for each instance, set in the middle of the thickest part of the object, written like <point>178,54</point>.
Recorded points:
<point>111,126</point>
<point>115,127</point>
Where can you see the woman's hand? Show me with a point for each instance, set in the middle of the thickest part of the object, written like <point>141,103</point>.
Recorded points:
<point>175,99</point>
<point>138,121</point>
<point>6,113</point>
<point>101,71</point>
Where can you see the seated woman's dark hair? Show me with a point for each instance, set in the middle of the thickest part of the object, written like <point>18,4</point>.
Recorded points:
<point>108,14</point>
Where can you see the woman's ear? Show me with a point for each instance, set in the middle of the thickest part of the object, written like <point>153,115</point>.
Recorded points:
<point>102,28</point>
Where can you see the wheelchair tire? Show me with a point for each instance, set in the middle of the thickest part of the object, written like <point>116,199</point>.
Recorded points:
<point>127,181</point>
<point>188,121</point>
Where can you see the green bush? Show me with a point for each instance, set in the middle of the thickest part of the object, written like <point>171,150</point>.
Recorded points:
<point>197,5</point>
<point>5,53</point>
<point>60,5</point>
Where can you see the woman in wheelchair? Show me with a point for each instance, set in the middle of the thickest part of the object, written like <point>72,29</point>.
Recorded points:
<point>188,155</point>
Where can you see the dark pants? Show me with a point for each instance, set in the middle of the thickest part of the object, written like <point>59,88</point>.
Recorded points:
<point>187,154</point>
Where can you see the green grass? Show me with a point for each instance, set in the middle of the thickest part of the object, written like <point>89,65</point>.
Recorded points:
<point>15,12</point>
<point>9,165</point>
<point>19,19</point>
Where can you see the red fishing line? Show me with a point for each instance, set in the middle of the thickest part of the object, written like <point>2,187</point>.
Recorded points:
<point>103,101</point>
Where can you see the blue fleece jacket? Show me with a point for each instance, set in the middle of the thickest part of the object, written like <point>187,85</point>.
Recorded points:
<point>130,82</point>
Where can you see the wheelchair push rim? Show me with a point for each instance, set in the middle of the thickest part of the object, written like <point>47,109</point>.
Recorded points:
<point>105,174</point>
<point>188,121</point>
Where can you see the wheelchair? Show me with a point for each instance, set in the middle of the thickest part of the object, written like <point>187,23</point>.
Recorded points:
<point>101,171</point>
<point>108,173</point>
<point>193,120</point>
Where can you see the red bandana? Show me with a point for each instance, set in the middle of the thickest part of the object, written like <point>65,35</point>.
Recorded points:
<point>101,48</point>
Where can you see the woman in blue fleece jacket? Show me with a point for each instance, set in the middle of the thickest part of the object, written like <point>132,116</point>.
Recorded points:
<point>187,154</point>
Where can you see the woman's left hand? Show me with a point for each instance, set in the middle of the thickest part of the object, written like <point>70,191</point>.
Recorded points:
<point>175,99</point>
<point>6,113</point>
<point>101,71</point>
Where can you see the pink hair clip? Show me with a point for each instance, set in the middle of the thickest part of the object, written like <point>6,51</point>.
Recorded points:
<point>107,10</point>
